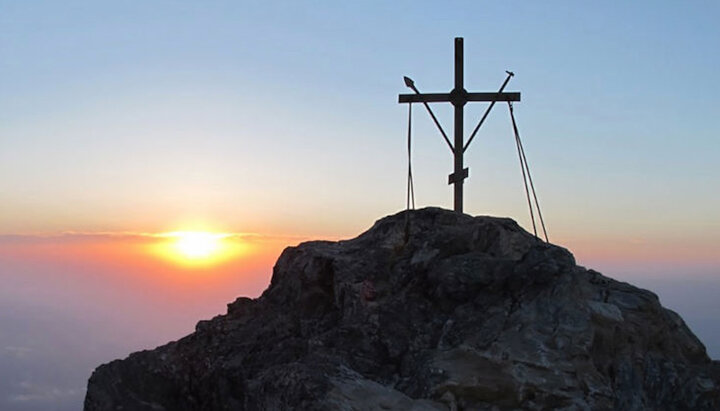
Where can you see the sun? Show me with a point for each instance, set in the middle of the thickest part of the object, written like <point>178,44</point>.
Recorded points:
<point>197,244</point>
<point>198,249</point>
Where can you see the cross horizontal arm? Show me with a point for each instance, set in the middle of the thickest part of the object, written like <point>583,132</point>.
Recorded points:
<point>511,96</point>
<point>424,98</point>
<point>445,97</point>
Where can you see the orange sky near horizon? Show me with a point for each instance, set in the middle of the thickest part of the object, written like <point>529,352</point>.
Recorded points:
<point>155,255</point>
<point>141,254</point>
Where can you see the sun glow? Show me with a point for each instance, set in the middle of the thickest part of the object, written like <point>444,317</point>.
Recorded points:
<point>198,248</point>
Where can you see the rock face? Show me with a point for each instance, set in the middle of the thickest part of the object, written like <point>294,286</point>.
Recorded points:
<point>427,310</point>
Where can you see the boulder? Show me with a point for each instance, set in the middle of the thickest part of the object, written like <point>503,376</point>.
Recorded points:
<point>427,310</point>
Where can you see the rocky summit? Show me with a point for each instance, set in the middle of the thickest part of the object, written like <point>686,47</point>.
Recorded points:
<point>427,310</point>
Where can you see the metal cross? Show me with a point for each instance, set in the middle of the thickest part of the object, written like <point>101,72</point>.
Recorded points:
<point>458,97</point>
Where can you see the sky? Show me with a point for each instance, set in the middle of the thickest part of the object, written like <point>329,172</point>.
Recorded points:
<point>278,122</point>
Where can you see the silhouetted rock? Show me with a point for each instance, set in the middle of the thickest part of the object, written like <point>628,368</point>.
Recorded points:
<point>429,310</point>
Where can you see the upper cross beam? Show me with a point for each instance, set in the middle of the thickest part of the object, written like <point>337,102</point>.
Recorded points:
<point>446,97</point>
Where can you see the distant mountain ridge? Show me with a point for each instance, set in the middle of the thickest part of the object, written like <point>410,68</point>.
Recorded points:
<point>427,310</point>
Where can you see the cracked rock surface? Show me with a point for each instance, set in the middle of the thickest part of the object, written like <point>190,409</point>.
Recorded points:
<point>427,310</point>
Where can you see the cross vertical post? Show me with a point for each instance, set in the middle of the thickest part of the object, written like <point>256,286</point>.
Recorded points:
<point>458,97</point>
<point>458,101</point>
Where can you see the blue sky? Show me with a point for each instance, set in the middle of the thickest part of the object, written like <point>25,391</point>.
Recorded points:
<point>258,102</point>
